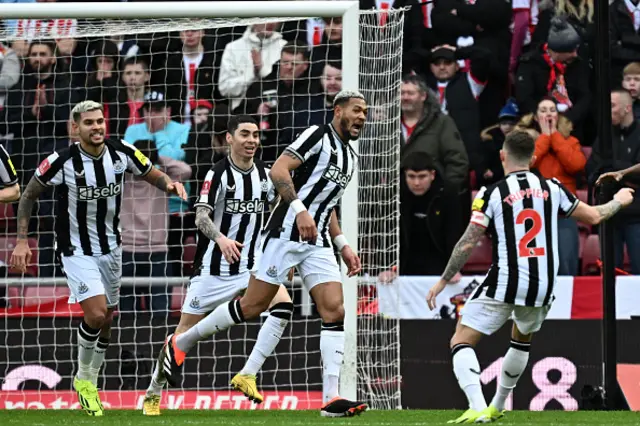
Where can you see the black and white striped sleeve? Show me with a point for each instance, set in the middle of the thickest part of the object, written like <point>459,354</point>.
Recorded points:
<point>308,143</point>
<point>210,187</point>
<point>568,201</point>
<point>481,209</point>
<point>50,171</point>
<point>8,175</point>
<point>137,162</point>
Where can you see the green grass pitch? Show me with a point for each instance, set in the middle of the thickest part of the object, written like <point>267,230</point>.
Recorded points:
<point>303,418</point>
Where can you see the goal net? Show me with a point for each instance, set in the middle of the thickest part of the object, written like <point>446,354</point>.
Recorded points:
<point>284,72</point>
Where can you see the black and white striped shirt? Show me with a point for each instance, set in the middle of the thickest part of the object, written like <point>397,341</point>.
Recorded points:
<point>522,212</point>
<point>328,164</point>
<point>8,175</point>
<point>237,199</point>
<point>89,197</point>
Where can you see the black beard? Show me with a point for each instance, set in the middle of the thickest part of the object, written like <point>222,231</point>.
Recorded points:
<point>344,126</point>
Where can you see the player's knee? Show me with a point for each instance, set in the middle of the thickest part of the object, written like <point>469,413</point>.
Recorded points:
<point>332,311</point>
<point>253,308</point>
<point>96,318</point>
<point>282,310</point>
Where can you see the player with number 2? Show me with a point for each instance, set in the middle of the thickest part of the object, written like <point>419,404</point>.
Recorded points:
<point>521,214</point>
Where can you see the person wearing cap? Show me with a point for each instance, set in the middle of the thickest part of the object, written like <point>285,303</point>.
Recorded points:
<point>493,138</point>
<point>169,137</point>
<point>556,70</point>
<point>557,155</point>
<point>458,93</point>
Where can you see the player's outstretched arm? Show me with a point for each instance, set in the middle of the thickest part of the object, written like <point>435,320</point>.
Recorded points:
<point>21,253</point>
<point>281,177</point>
<point>593,215</point>
<point>9,194</point>
<point>459,257</point>
<point>230,249</point>
<point>163,182</point>
<point>349,256</point>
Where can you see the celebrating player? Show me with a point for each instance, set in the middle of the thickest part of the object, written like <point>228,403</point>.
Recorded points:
<point>521,212</point>
<point>299,234</point>
<point>234,193</point>
<point>90,175</point>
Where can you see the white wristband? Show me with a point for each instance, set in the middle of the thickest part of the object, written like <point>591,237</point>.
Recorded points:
<point>340,242</point>
<point>298,206</point>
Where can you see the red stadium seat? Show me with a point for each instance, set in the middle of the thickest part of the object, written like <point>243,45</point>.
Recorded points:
<point>7,218</point>
<point>583,195</point>
<point>480,259</point>
<point>177,298</point>
<point>591,255</point>
<point>39,295</point>
<point>7,244</point>
<point>14,297</point>
<point>586,150</point>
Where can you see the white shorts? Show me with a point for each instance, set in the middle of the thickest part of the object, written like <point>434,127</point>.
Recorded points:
<point>206,292</point>
<point>488,315</point>
<point>89,276</point>
<point>316,265</point>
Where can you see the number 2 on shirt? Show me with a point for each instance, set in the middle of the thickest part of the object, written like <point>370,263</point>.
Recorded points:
<point>523,249</point>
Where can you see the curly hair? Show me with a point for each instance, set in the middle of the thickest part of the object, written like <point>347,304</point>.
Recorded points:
<point>584,10</point>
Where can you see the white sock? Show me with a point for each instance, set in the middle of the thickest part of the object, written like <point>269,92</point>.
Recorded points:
<point>222,317</point>
<point>87,338</point>
<point>99,353</point>
<point>467,371</point>
<point>513,365</point>
<point>332,352</point>
<point>157,381</point>
<point>268,337</point>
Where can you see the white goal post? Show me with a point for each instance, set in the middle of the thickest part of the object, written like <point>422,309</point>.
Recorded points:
<point>385,392</point>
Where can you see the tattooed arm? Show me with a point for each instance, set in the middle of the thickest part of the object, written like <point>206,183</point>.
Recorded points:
<point>459,257</point>
<point>281,175</point>
<point>206,225</point>
<point>462,250</point>
<point>31,194</point>
<point>593,215</point>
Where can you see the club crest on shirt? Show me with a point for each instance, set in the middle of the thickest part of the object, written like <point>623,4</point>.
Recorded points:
<point>272,272</point>
<point>195,303</point>
<point>264,185</point>
<point>118,167</point>
<point>83,288</point>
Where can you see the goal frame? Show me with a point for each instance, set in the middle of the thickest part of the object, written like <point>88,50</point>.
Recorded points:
<point>347,9</point>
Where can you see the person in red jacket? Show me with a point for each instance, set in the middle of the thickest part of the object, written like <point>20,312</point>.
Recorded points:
<point>557,155</point>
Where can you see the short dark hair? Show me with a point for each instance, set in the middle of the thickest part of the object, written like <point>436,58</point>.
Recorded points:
<point>50,44</point>
<point>520,145</point>
<point>133,60</point>
<point>418,162</point>
<point>296,47</point>
<point>416,80</point>
<point>237,120</point>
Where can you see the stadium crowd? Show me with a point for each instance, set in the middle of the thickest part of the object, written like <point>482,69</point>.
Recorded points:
<point>474,70</point>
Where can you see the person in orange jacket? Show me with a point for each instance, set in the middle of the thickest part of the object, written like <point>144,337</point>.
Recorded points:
<point>557,155</point>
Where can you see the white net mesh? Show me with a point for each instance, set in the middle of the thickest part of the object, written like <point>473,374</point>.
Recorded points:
<point>203,80</point>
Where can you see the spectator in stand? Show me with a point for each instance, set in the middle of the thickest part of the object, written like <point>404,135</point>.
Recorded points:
<point>10,70</point>
<point>483,24</point>
<point>458,92</point>
<point>102,83</point>
<point>555,70</point>
<point>524,22</point>
<point>430,219</point>
<point>330,47</point>
<point>631,83</point>
<point>626,153</point>
<point>318,108</point>
<point>624,34</point>
<point>73,59</point>
<point>127,110</point>
<point>493,139</point>
<point>206,144</point>
<point>186,75</point>
<point>248,59</point>
<point>273,99</point>
<point>558,155</point>
<point>144,221</point>
<point>426,130</point>
<point>169,137</point>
